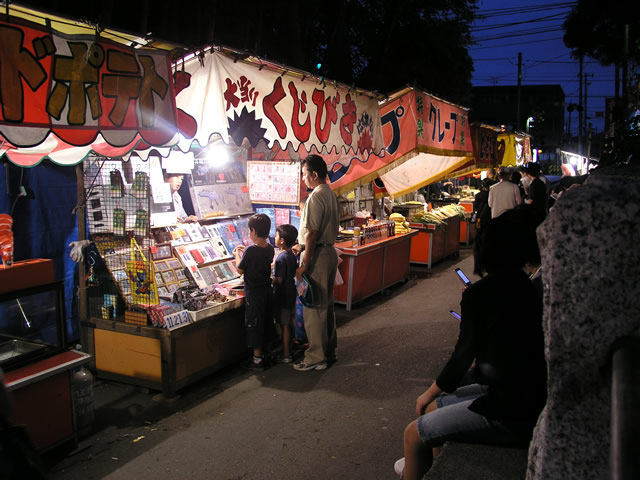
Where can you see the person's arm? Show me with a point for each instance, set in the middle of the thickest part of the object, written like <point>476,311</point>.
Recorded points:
<point>517,194</point>
<point>464,351</point>
<point>238,254</point>
<point>423,401</point>
<point>278,273</point>
<point>309,248</point>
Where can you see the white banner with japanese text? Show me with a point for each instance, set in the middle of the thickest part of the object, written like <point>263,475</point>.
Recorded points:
<point>254,100</point>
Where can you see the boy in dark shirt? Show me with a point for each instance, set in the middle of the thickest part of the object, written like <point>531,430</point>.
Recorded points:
<point>255,263</point>
<point>284,288</point>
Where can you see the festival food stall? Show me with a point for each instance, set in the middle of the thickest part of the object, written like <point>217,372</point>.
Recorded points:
<point>514,149</point>
<point>485,156</point>
<point>95,95</point>
<point>430,138</point>
<point>190,323</point>
<point>382,247</point>
<point>67,89</point>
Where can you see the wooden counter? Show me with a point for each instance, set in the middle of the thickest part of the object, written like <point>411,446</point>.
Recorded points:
<point>433,242</point>
<point>168,360</point>
<point>371,268</point>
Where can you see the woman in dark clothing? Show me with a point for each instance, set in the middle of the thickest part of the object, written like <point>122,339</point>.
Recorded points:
<point>537,196</point>
<point>482,214</point>
<point>506,343</point>
<point>515,178</point>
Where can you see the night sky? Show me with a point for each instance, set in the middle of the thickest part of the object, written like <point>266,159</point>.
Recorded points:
<point>545,59</point>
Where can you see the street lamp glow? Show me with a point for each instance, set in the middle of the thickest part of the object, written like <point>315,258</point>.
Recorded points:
<point>529,122</point>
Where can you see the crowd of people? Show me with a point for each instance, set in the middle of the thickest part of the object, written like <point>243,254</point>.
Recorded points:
<point>493,386</point>
<point>525,190</point>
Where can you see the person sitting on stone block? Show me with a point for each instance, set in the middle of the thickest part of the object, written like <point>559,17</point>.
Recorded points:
<point>507,344</point>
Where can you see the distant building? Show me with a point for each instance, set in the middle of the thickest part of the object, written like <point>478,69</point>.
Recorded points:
<point>541,114</point>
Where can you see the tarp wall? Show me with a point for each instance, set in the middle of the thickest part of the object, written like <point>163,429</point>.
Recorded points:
<point>44,223</point>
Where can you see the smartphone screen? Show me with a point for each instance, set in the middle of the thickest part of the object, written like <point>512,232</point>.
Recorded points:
<point>463,277</point>
<point>455,315</point>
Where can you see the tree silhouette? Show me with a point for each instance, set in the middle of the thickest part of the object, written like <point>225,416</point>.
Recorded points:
<point>379,45</point>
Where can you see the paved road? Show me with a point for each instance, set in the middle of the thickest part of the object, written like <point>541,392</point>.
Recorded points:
<point>342,423</point>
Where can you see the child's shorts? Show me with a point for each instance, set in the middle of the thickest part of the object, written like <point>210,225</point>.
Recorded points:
<point>257,310</point>
<point>286,316</point>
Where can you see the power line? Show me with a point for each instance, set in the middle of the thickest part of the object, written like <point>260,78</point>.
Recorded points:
<point>546,18</point>
<point>520,33</point>
<point>516,43</point>
<point>483,14</point>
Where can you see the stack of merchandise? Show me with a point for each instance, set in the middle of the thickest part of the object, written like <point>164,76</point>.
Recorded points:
<point>6,239</point>
<point>401,225</point>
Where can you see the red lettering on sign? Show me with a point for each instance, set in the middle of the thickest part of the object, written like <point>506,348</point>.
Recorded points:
<point>230,94</point>
<point>301,131</point>
<point>331,117</point>
<point>269,107</point>
<point>247,93</point>
<point>348,119</point>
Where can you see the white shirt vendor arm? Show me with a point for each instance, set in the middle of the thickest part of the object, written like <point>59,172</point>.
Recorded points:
<point>177,205</point>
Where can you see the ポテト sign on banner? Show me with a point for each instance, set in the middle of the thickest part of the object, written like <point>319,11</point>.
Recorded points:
<point>243,100</point>
<point>80,86</point>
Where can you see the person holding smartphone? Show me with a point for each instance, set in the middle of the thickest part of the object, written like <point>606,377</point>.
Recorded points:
<point>506,343</point>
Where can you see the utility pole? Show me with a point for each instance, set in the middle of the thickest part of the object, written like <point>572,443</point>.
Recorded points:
<point>580,107</point>
<point>519,85</point>
<point>586,116</point>
<point>625,70</point>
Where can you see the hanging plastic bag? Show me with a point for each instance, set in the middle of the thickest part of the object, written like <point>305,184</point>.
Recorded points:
<point>141,276</point>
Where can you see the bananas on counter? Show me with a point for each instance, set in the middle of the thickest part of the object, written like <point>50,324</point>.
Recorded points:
<point>401,225</point>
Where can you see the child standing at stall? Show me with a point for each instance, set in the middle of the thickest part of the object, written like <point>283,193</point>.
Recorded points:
<point>284,288</point>
<point>254,262</point>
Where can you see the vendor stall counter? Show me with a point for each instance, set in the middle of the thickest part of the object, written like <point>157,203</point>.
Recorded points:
<point>168,360</point>
<point>467,227</point>
<point>370,268</point>
<point>433,242</point>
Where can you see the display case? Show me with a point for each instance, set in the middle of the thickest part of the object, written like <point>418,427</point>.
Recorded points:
<point>33,353</point>
<point>31,325</point>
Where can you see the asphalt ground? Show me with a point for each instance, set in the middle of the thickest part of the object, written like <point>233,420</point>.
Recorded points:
<point>345,422</point>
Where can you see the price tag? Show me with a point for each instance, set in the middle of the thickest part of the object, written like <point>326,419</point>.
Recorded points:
<point>178,319</point>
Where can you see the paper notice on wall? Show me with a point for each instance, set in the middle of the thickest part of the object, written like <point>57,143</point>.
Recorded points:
<point>282,216</point>
<point>161,192</point>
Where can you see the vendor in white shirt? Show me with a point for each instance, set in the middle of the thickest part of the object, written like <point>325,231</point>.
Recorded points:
<point>175,181</point>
